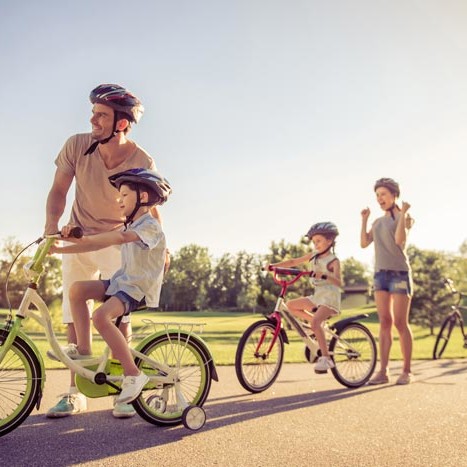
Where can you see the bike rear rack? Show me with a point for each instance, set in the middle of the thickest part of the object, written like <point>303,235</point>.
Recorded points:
<point>154,326</point>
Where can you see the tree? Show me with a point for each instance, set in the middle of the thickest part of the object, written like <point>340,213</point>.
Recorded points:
<point>268,289</point>
<point>458,268</point>
<point>247,271</point>
<point>187,283</point>
<point>223,288</point>
<point>234,281</point>
<point>430,296</point>
<point>354,272</point>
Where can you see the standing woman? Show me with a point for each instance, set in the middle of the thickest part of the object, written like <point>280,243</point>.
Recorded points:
<point>393,278</point>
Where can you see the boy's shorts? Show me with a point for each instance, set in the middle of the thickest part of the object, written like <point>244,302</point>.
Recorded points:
<point>129,303</point>
<point>396,282</point>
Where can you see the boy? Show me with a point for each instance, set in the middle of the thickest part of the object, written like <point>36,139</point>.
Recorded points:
<point>140,277</point>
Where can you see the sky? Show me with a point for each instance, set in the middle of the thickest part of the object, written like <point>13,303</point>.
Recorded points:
<point>265,115</point>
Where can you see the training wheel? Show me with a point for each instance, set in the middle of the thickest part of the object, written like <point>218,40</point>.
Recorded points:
<point>194,417</point>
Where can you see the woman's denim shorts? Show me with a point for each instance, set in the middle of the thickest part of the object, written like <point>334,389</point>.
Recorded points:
<point>399,282</point>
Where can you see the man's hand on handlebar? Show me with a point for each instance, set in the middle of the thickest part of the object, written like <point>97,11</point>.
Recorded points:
<point>71,233</point>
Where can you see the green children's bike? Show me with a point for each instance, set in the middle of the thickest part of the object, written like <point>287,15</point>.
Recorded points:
<point>178,362</point>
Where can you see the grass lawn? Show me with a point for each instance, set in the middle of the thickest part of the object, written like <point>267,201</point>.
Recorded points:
<point>222,331</point>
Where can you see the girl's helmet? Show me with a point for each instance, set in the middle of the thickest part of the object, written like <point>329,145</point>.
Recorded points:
<point>156,185</point>
<point>390,184</point>
<point>120,99</point>
<point>327,229</point>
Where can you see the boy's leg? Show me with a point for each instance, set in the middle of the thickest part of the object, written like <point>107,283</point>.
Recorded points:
<point>103,319</point>
<point>108,261</point>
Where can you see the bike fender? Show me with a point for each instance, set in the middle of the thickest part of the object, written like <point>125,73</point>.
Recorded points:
<point>284,336</point>
<point>192,337</point>
<point>338,325</point>
<point>33,346</point>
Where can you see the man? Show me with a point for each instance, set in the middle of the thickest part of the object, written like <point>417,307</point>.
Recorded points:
<point>89,159</point>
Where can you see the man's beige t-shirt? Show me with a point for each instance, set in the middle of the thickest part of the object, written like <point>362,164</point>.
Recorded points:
<point>95,208</point>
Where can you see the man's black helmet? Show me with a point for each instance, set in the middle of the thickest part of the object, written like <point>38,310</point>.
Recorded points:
<point>119,99</point>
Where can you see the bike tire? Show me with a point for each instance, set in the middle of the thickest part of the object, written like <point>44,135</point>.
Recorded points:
<point>444,335</point>
<point>183,352</point>
<point>354,354</point>
<point>256,370</point>
<point>20,385</point>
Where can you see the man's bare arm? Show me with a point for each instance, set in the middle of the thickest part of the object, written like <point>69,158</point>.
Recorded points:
<point>56,200</point>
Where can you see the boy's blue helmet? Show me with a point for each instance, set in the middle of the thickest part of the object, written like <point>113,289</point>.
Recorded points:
<point>144,177</point>
<point>157,187</point>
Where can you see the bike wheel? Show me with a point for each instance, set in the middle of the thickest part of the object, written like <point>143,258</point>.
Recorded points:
<point>164,404</point>
<point>20,385</point>
<point>444,335</point>
<point>257,366</point>
<point>354,354</point>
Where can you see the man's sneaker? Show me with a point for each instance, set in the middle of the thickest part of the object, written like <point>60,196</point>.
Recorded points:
<point>131,388</point>
<point>71,350</point>
<point>323,365</point>
<point>123,410</point>
<point>69,404</point>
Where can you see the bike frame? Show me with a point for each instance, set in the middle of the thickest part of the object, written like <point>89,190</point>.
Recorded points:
<point>165,376</point>
<point>281,311</point>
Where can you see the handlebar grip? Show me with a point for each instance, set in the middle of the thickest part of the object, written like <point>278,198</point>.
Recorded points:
<point>76,232</point>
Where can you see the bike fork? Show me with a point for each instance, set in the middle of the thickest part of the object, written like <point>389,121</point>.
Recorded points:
<point>9,337</point>
<point>277,330</point>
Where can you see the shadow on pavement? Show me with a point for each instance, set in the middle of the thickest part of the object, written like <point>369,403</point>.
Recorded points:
<point>96,435</point>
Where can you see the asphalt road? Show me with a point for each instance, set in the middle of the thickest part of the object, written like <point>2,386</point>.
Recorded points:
<point>304,419</point>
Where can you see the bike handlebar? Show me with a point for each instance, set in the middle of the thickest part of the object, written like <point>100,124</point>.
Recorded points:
<point>75,232</point>
<point>450,285</point>
<point>297,273</point>
<point>46,242</point>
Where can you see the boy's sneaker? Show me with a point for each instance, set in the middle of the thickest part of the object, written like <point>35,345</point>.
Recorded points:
<point>69,404</point>
<point>323,365</point>
<point>131,388</point>
<point>71,350</point>
<point>123,410</point>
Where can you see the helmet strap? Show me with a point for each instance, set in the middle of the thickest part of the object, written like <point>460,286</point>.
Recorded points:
<point>317,255</point>
<point>94,145</point>
<point>391,211</point>
<point>129,219</point>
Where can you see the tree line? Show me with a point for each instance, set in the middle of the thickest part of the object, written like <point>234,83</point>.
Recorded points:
<point>197,281</point>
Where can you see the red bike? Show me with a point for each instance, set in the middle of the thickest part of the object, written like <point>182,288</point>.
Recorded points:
<point>260,352</point>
